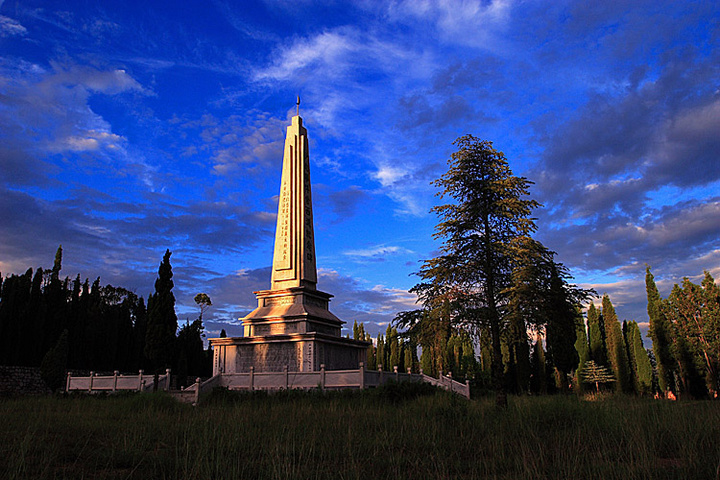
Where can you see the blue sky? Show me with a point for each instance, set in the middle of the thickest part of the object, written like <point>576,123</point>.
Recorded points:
<point>130,127</point>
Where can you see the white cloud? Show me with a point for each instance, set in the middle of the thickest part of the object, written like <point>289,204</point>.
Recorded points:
<point>378,251</point>
<point>92,140</point>
<point>471,23</point>
<point>388,175</point>
<point>10,27</point>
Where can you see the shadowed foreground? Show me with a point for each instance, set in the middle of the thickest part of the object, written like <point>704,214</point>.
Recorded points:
<point>390,433</point>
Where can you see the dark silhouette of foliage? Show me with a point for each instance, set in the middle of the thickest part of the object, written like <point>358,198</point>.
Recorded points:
<point>162,320</point>
<point>661,334</point>
<point>54,363</point>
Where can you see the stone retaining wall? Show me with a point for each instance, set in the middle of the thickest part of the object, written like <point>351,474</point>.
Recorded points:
<point>21,381</point>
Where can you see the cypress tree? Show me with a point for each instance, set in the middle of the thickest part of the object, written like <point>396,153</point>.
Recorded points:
<point>55,299</point>
<point>561,330</point>
<point>426,363</point>
<point>640,360</point>
<point>617,352</point>
<point>34,325</point>
<point>394,356</point>
<point>581,346</point>
<point>660,333</point>
<point>162,320</point>
<point>407,358</point>
<point>596,335</point>
<point>381,352</point>
<point>54,363</point>
<point>371,360</point>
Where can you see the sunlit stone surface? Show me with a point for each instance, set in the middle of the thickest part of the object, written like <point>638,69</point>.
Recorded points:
<point>292,325</point>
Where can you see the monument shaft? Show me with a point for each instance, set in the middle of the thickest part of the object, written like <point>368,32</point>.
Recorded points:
<point>294,255</point>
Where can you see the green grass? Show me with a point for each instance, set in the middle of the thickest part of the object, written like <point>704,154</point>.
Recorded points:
<point>395,432</point>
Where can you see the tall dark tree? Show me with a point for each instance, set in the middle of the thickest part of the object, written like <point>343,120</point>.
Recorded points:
<point>190,352</point>
<point>54,363</point>
<point>55,296</point>
<point>561,328</point>
<point>661,334</point>
<point>162,320</point>
<point>481,229</point>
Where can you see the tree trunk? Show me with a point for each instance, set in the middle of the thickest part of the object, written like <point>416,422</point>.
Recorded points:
<point>497,363</point>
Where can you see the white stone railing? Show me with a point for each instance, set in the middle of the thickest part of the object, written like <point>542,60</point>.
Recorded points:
<point>324,379</point>
<point>116,382</point>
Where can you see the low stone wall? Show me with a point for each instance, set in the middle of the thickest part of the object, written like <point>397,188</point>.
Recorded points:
<point>22,381</point>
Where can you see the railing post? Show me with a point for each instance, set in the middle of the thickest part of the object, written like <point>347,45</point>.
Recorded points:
<point>115,375</point>
<point>141,384</point>
<point>362,375</point>
<point>197,390</point>
<point>92,375</point>
<point>167,379</point>
<point>287,380</point>
<point>322,376</point>
<point>67,382</point>
<point>252,378</point>
<point>380,370</point>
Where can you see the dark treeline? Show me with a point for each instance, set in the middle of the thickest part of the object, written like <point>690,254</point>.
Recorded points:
<point>58,324</point>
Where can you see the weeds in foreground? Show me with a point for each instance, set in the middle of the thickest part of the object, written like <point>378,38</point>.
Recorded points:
<point>394,432</point>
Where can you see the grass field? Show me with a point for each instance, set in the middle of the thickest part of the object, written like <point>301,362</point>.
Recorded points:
<point>394,432</point>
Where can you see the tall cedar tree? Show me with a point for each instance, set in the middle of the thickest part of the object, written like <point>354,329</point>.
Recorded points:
<point>161,319</point>
<point>481,229</point>
<point>661,334</point>
<point>617,352</point>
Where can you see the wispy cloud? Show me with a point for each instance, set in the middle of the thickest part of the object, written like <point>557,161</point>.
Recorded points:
<point>378,252</point>
<point>10,27</point>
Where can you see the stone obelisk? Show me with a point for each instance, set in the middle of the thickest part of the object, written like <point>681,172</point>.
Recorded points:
<point>294,256</point>
<point>291,327</point>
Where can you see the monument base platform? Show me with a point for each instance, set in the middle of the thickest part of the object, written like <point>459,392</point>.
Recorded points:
<point>300,352</point>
